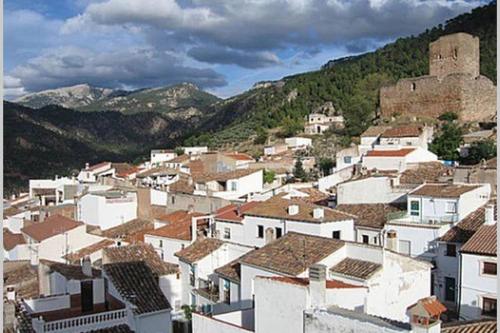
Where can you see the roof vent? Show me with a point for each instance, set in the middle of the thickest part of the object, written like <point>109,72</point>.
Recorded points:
<point>489,214</point>
<point>293,210</point>
<point>318,213</point>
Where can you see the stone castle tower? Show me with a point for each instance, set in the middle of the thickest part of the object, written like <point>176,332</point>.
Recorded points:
<point>454,84</point>
<point>452,54</point>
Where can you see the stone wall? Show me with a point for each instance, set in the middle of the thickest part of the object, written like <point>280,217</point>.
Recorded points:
<point>454,85</point>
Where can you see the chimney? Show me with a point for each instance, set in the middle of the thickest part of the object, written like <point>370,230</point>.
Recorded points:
<point>489,214</point>
<point>425,315</point>
<point>317,285</point>
<point>194,229</point>
<point>87,166</point>
<point>293,210</point>
<point>86,266</point>
<point>392,240</point>
<point>238,210</point>
<point>318,213</point>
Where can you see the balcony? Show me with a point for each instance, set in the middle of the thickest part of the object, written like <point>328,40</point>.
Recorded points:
<point>405,218</point>
<point>208,290</point>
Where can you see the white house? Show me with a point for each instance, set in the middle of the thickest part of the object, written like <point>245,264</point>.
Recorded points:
<point>407,136</point>
<point>158,177</point>
<point>275,149</point>
<point>260,223</point>
<point>49,191</point>
<point>158,156</point>
<point>347,157</point>
<point>55,237</point>
<point>197,263</point>
<point>174,232</point>
<point>479,280</point>
<point>230,185</point>
<point>107,209</point>
<point>447,272</point>
<point>90,173</point>
<point>432,209</point>
<point>398,159</point>
<point>317,123</point>
<point>241,160</point>
<point>296,143</point>
<point>195,150</point>
<point>371,137</point>
<point>372,190</point>
<point>286,277</point>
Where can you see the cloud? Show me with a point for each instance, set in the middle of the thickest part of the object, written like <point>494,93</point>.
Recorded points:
<point>12,87</point>
<point>132,68</point>
<point>220,55</point>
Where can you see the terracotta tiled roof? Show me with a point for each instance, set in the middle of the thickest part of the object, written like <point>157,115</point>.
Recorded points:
<point>97,166</point>
<point>136,283</point>
<point>390,153</point>
<point>293,253</point>
<point>444,190</point>
<point>179,159</point>
<point>51,226</point>
<point>199,249</point>
<point>426,172</point>
<point>370,215</point>
<point>22,276</point>
<point>315,196</point>
<point>433,306</point>
<point>11,211</point>
<point>11,240</point>
<point>330,284</point>
<point>464,229</point>
<point>277,207</point>
<point>70,272</point>
<point>230,212</point>
<point>179,225</point>
<point>240,156</point>
<point>374,131</point>
<point>139,252</point>
<point>483,242</point>
<point>476,326</point>
<point>225,176</point>
<point>356,268</point>
<point>128,228</point>
<point>76,256</point>
<point>231,271</point>
<point>403,132</point>
<point>159,171</point>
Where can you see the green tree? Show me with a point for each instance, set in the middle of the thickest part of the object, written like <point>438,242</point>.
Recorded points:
<point>179,151</point>
<point>269,176</point>
<point>291,127</point>
<point>481,150</point>
<point>298,171</point>
<point>448,116</point>
<point>261,136</point>
<point>446,144</point>
<point>325,165</point>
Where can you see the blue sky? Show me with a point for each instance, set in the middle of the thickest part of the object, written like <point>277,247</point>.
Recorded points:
<point>223,46</point>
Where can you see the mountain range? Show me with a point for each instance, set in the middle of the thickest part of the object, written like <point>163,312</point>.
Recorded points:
<point>57,131</point>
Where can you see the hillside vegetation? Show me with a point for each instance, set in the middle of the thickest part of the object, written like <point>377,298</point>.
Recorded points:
<point>351,83</point>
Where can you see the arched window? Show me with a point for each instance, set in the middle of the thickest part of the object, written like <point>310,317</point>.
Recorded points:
<point>413,86</point>
<point>455,53</point>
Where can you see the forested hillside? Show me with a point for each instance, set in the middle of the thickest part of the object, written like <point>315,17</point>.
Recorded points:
<point>351,83</point>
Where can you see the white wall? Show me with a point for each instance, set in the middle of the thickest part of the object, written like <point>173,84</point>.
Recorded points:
<point>475,285</point>
<point>171,286</point>
<point>204,324</point>
<point>106,213</point>
<point>369,190</point>
<point>158,197</point>
<point>169,247</point>
<point>341,174</point>
<point>447,266</point>
<point>156,322</point>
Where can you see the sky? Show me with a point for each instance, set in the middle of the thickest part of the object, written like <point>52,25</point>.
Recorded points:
<point>222,46</point>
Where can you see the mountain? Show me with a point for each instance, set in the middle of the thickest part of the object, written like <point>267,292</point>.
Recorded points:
<point>68,97</point>
<point>53,140</point>
<point>182,101</point>
<point>351,84</point>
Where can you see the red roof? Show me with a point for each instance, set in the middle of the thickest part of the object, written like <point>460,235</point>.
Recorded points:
<point>240,156</point>
<point>51,226</point>
<point>179,225</point>
<point>11,240</point>
<point>390,153</point>
<point>230,212</point>
<point>97,166</point>
<point>330,284</point>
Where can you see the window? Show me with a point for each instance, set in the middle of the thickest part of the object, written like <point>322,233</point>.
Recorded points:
<point>279,233</point>
<point>490,268</point>
<point>489,306</point>
<point>162,256</point>
<point>234,186</point>
<point>451,250</point>
<point>260,231</point>
<point>336,235</point>
<point>375,240</point>
<point>227,233</point>
<point>366,239</point>
<point>347,159</point>
<point>451,207</point>
<point>226,291</point>
<point>173,200</point>
<point>414,208</point>
<point>161,243</point>
<point>413,86</point>
<point>191,276</point>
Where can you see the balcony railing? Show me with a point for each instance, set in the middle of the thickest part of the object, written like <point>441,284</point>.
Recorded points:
<point>404,217</point>
<point>208,290</point>
<point>80,323</point>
